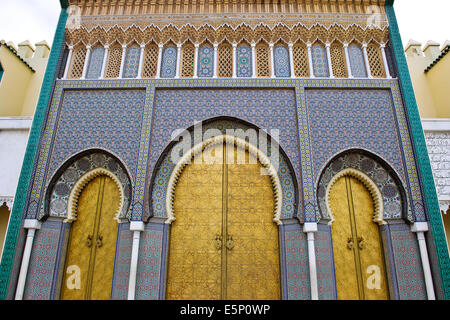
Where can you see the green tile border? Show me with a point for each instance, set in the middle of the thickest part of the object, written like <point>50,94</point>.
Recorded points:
<point>423,161</point>
<point>30,155</point>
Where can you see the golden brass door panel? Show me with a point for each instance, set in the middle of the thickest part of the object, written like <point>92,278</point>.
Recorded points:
<point>224,218</point>
<point>105,242</point>
<point>369,244</point>
<point>358,256</point>
<point>253,269</point>
<point>92,243</point>
<point>194,267</point>
<point>345,267</point>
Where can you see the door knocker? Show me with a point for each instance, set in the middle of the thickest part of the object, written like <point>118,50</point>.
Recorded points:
<point>361,243</point>
<point>89,241</point>
<point>350,243</point>
<point>230,242</point>
<point>99,241</point>
<point>218,241</point>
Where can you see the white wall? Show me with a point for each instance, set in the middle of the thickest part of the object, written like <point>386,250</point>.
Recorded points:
<point>14,133</point>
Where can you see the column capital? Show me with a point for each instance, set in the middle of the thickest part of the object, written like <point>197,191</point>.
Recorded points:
<point>271,44</point>
<point>309,227</point>
<point>215,44</point>
<point>124,46</point>
<point>71,47</point>
<point>327,44</point>
<point>161,45</point>
<point>253,44</point>
<point>88,46</point>
<point>142,45</point>
<point>179,45</point>
<point>309,44</point>
<point>290,44</point>
<point>382,45</point>
<point>196,45</point>
<point>364,45</point>
<point>106,46</point>
<point>419,227</point>
<point>137,226</point>
<point>345,44</point>
<point>32,224</point>
<point>234,44</point>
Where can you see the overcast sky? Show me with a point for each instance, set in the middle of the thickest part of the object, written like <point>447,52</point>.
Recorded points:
<point>36,20</point>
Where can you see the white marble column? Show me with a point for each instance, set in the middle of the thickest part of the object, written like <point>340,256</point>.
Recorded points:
<point>122,63</point>
<point>136,227</point>
<point>310,229</point>
<point>420,228</point>
<point>330,65</point>
<point>141,61</point>
<point>253,59</point>
<point>105,59</point>
<point>215,60</point>
<point>196,60</point>
<point>31,225</point>
<point>347,60</point>
<point>234,61</point>
<point>272,62</point>
<point>311,67</point>
<point>158,66</point>
<point>366,59</point>
<point>86,62</point>
<point>69,60</point>
<point>386,65</point>
<point>291,59</point>
<point>177,74</point>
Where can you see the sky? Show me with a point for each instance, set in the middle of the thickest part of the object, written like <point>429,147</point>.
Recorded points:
<point>35,20</point>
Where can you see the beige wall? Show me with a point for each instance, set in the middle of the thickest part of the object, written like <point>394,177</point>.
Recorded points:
<point>14,84</point>
<point>431,88</point>
<point>439,84</point>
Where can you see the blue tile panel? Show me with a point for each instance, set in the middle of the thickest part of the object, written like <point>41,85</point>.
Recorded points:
<point>205,63</point>
<point>131,65</point>
<point>320,61</point>
<point>95,64</point>
<point>281,61</point>
<point>357,63</point>
<point>244,61</point>
<point>169,62</point>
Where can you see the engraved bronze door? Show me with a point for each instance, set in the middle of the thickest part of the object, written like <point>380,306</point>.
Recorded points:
<point>224,243</point>
<point>358,255</point>
<point>90,255</point>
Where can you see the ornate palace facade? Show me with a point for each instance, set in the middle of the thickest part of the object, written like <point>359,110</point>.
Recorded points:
<point>334,198</point>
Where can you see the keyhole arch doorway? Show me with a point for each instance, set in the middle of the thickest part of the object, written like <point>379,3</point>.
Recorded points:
<point>355,205</point>
<point>223,236</point>
<point>95,203</point>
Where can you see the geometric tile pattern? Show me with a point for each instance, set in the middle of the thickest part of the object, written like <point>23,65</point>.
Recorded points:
<point>281,61</point>
<point>319,61</point>
<point>149,264</point>
<point>252,105</point>
<point>390,191</point>
<point>298,284</point>
<point>169,62</point>
<point>349,113</point>
<point>356,57</point>
<point>96,57</point>
<point>61,191</point>
<point>40,276</point>
<point>244,61</point>
<point>408,265</point>
<point>97,116</point>
<point>325,268</point>
<point>205,61</point>
<point>165,169</point>
<point>131,65</point>
<point>122,263</point>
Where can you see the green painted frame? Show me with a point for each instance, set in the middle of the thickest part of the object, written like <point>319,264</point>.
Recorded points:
<point>30,154</point>
<point>421,152</point>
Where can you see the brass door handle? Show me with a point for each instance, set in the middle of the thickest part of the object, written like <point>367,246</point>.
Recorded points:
<point>218,242</point>
<point>230,242</point>
<point>350,243</point>
<point>99,241</point>
<point>89,241</point>
<point>361,243</point>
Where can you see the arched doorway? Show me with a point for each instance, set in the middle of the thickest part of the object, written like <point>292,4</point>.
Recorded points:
<point>358,255</point>
<point>89,262</point>
<point>224,242</point>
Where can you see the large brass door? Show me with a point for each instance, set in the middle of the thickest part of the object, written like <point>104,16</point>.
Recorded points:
<point>358,255</point>
<point>224,243</point>
<point>90,254</point>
